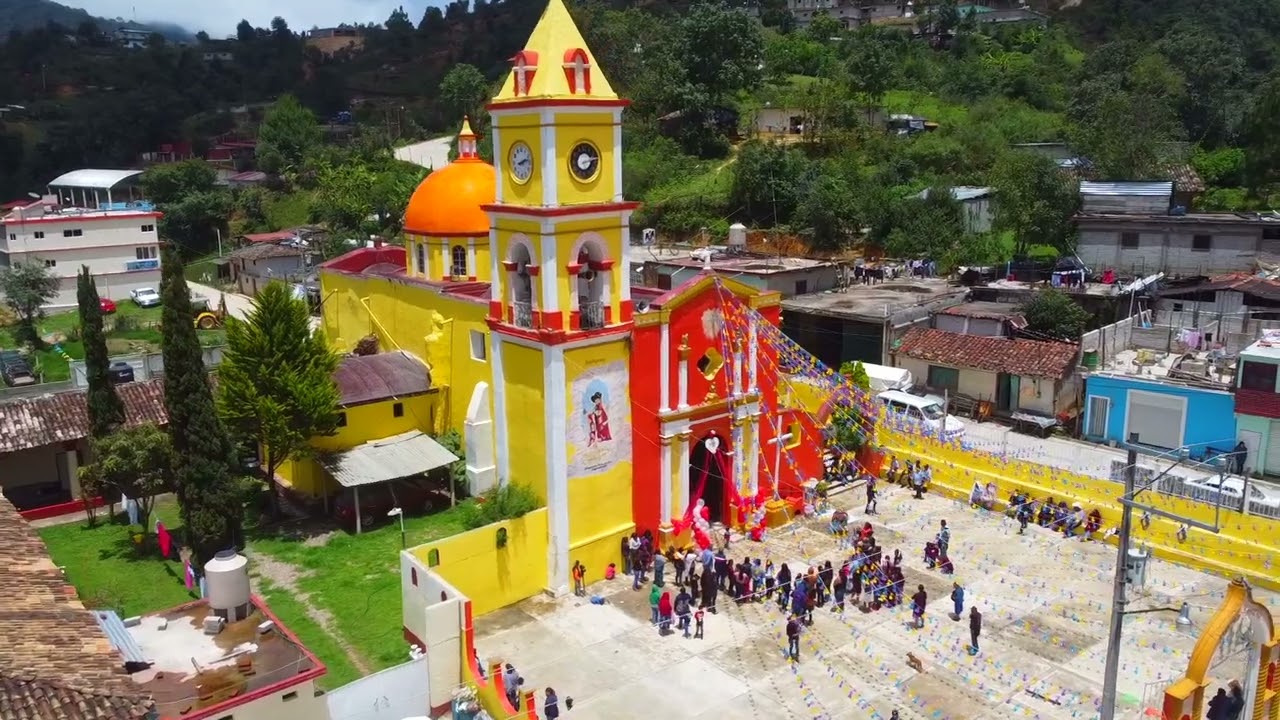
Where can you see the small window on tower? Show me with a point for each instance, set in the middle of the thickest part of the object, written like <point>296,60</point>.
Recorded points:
<point>577,70</point>
<point>458,268</point>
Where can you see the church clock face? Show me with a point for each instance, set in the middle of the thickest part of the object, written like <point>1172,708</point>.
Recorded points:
<point>521,158</point>
<point>584,161</point>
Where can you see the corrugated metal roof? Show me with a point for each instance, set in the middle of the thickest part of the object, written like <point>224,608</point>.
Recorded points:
<point>95,179</point>
<point>119,636</point>
<point>370,378</point>
<point>962,192</point>
<point>1145,189</point>
<point>391,458</point>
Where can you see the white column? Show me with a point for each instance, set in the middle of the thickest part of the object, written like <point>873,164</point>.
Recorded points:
<point>739,457</point>
<point>664,368</point>
<point>575,302</point>
<point>682,401</point>
<point>606,289</point>
<point>549,275</point>
<point>499,159</point>
<point>753,458</point>
<point>737,369</point>
<point>624,260</point>
<point>682,477</point>
<point>73,473</point>
<point>472,270</point>
<point>557,468</point>
<point>500,439</point>
<point>617,156</point>
<point>550,165</point>
<point>753,349</point>
<point>496,256</point>
<point>668,510</point>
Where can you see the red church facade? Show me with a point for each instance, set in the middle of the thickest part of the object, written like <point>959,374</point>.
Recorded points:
<point>705,408</point>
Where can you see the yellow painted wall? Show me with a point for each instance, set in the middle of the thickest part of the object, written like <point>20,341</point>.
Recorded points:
<point>494,577</point>
<point>576,127</point>
<point>523,128</point>
<point>526,435</point>
<point>411,317</point>
<point>371,421</point>
<point>1246,544</point>
<point>599,504</point>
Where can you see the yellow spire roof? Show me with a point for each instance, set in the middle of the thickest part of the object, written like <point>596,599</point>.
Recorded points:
<point>556,64</point>
<point>466,131</point>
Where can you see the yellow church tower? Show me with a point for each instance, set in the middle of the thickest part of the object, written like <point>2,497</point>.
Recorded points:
<point>560,306</point>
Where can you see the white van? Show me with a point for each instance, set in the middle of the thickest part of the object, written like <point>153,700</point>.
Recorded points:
<point>885,378</point>
<point>926,411</point>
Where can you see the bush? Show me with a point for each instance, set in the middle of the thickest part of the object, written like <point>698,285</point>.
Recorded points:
<point>502,503</point>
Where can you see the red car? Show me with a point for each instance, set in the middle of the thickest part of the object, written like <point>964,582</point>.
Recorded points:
<point>108,305</point>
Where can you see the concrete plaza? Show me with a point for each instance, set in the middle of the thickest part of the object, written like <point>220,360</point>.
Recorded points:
<point>1045,603</point>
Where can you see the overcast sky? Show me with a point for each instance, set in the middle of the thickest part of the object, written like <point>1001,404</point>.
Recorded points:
<point>219,18</point>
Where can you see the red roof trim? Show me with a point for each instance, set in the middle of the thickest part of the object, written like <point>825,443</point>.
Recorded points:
<point>72,220</point>
<point>566,211</point>
<point>556,102</point>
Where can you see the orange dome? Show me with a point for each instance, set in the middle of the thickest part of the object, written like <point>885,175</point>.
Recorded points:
<point>447,202</point>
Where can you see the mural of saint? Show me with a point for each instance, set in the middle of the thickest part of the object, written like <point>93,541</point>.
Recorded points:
<point>597,418</point>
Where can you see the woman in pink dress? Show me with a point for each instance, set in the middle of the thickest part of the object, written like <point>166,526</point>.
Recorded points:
<point>598,421</point>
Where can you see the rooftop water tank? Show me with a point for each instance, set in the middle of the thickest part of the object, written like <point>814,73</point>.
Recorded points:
<point>227,582</point>
<point>737,237</point>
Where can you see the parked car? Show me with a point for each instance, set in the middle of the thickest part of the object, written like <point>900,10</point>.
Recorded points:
<point>120,372</point>
<point>107,305</point>
<point>15,370</point>
<point>926,411</point>
<point>1231,489</point>
<point>413,496</point>
<point>145,297</point>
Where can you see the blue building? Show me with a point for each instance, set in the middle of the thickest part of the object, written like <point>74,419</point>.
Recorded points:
<point>1165,413</point>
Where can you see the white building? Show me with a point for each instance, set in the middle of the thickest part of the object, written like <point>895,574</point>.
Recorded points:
<point>97,188</point>
<point>121,247</point>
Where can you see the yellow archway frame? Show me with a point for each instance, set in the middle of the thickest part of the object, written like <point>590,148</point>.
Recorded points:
<point>1185,699</point>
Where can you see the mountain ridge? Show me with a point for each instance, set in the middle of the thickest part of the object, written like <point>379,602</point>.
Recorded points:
<point>28,14</point>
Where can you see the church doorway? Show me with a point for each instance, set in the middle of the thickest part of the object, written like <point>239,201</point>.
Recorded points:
<point>708,470</point>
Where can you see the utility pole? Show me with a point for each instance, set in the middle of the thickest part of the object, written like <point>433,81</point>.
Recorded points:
<point>1118,598</point>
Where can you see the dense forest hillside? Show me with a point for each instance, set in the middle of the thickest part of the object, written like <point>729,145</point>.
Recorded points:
<point>1134,89</point>
<point>32,14</point>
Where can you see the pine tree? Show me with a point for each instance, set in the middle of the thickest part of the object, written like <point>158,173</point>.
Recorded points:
<point>106,412</point>
<point>204,477</point>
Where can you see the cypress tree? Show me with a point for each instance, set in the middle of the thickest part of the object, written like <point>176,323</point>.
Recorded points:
<point>106,412</point>
<point>204,476</point>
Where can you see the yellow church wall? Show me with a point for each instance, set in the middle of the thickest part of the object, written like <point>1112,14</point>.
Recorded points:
<point>439,252</point>
<point>370,421</point>
<point>574,128</point>
<point>408,316</point>
<point>493,577</point>
<point>527,128</point>
<point>526,436</point>
<point>1245,544</point>
<point>599,502</point>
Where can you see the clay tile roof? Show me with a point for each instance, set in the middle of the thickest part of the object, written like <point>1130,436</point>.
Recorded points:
<point>1185,178</point>
<point>64,417</point>
<point>267,250</point>
<point>370,378</point>
<point>1033,358</point>
<point>55,662</point>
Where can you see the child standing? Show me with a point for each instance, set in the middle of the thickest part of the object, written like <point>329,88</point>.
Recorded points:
<point>697,625</point>
<point>579,579</point>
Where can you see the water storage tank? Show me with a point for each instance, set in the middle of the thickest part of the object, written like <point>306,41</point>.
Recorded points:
<point>227,582</point>
<point>737,237</point>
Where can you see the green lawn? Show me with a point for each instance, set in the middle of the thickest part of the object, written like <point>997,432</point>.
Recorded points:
<point>289,210</point>
<point>130,330</point>
<point>109,571</point>
<point>355,578</point>
<point>202,270</point>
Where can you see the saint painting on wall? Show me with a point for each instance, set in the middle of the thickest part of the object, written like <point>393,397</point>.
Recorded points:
<point>598,431</point>
<point>597,417</point>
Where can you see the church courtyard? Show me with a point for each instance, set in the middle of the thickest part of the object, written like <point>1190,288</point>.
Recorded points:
<point>1045,603</point>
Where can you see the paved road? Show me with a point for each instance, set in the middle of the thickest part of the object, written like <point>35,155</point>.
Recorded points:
<point>238,305</point>
<point>432,153</point>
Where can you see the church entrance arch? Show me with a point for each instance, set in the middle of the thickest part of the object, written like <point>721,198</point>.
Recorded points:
<point>710,471</point>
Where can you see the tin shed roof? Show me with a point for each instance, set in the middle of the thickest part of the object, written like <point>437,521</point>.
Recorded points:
<point>369,378</point>
<point>390,458</point>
